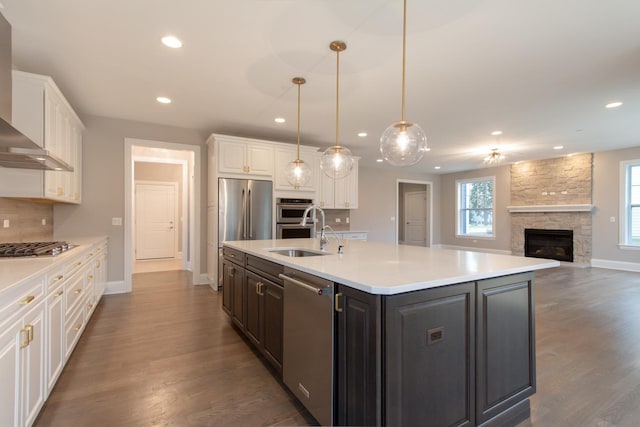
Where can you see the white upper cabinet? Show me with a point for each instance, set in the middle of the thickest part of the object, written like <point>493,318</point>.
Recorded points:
<point>244,157</point>
<point>41,112</point>
<point>284,155</point>
<point>339,193</point>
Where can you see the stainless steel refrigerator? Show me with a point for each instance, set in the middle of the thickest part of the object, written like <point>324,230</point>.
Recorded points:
<point>245,212</point>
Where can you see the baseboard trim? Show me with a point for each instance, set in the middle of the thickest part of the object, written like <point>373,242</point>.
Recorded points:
<point>115,287</point>
<point>616,265</point>
<point>203,279</point>
<point>465,248</point>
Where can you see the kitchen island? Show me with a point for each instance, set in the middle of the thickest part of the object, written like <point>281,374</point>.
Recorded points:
<point>422,336</point>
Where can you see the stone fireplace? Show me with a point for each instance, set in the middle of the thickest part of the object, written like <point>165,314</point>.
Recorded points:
<point>553,194</point>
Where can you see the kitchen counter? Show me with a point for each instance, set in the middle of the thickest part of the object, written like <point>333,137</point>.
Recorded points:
<point>15,271</point>
<point>387,269</point>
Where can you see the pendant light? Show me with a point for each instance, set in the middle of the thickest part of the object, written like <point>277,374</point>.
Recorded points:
<point>298,172</point>
<point>337,161</point>
<point>403,143</point>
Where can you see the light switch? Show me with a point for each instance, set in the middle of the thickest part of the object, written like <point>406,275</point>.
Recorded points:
<point>612,219</point>
<point>347,220</point>
<point>44,221</point>
<point>5,223</point>
<point>338,220</point>
<point>116,221</point>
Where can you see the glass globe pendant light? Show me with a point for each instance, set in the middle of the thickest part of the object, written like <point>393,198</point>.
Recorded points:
<point>403,143</point>
<point>297,171</point>
<point>337,161</point>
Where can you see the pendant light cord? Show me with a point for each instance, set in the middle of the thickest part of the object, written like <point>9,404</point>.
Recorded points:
<point>298,147</point>
<point>404,55</point>
<point>337,93</point>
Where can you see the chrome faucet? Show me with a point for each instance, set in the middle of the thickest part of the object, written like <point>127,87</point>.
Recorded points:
<point>323,236</point>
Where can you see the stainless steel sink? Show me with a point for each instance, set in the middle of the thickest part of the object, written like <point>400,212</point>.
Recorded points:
<point>295,252</point>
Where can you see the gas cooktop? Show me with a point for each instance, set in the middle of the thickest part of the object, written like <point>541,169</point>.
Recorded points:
<point>31,249</point>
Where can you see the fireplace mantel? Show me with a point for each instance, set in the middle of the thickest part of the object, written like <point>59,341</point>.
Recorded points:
<point>550,208</point>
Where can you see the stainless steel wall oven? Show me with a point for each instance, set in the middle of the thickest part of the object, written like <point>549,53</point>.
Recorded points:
<point>288,217</point>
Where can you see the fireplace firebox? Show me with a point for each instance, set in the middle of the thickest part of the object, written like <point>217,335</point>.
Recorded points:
<point>552,244</point>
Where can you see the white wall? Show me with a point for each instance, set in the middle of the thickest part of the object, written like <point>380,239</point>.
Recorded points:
<point>377,202</point>
<point>103,184</point>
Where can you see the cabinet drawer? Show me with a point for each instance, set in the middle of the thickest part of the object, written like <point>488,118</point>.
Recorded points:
<point>74,292</point>
<point>354,236</point>
<point>73,329</point>
<point>267,269</point>
<point>21,299</point>
<point>233,255</point>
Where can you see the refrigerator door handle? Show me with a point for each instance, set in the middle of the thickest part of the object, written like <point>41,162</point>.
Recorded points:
<point>249,215</point>
<point>243,220</point>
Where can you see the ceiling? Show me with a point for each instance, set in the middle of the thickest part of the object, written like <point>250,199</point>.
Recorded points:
<point>541,71</point>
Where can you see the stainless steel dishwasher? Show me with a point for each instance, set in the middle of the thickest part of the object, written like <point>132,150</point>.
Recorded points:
<point>307,363</point>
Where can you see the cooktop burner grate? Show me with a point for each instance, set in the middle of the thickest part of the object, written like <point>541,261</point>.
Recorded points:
<point>31,249</point>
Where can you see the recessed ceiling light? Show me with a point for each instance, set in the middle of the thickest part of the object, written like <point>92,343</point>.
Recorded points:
<point>163,100</point>
<point>437,167</point>
<point>427,149</point>
<point>379,160</point>
<point>362,134</point>
<point>496,132</point>
<point>613,104</point>
<point>558,147</point>
<point>279,120</point>
<point>171,41</point>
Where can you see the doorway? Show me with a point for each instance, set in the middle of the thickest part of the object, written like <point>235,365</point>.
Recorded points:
<point>414,213</point>
<point>160,247</point>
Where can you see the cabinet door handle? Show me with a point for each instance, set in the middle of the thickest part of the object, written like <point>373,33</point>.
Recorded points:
<point>77,328</point>
<point>77,291</point>
<point>337,302</point>
<point>27,300</point>
<point>90,306</point>
<point>90,277</point>
<point>25,338</point>
<point>30,332</point>
<point>59,277</point>
<point>78,263</point>
<point>259,290</point>
<point>57,294</point>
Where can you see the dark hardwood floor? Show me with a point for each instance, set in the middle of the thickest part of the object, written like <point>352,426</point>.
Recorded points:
<point>167,355</point>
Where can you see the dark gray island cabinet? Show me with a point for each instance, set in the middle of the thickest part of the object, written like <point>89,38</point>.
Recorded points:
<point>457,355</point>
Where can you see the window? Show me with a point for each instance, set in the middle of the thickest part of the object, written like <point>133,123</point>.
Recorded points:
<point>630,209</point>
<point>475,207</point>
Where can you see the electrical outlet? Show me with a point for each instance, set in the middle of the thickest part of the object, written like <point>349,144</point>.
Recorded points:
<point>116,221</point>
<point>44,221</point>
<point>612,219</point>
<point>347,220</point>
<point>6,223</point>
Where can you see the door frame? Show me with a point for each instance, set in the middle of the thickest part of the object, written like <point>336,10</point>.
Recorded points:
<point>194,178</point>
<point>429,225</point>
<point>175,215</point>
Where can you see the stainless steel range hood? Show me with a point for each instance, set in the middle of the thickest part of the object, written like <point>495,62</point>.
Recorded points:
<point>16,149</point>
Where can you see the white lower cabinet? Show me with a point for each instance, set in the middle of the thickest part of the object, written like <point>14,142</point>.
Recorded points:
<point>22,361</point>
<point>55,335</point>
<point>41,321</point>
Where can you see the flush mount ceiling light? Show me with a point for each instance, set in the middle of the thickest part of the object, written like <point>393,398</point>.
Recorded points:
<point>337,161</point>
<point>279,120</point>
<point>362,134</point>
<point>613,105</point>
<point>558,147</point>
<point>403,143</point>
<point>172,42</point>
<point>298,172</point>
<point>163,100</point>
<point>496,132</point>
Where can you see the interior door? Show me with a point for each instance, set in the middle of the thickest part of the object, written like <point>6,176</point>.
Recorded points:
<point>415,228</point>
<point>156,206</point>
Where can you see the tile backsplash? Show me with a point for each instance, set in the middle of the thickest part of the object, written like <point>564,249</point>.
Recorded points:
<point>24,219</point>
<point>332,215</point>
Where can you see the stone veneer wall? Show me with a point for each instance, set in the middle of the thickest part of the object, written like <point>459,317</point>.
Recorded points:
<point>560,181</point>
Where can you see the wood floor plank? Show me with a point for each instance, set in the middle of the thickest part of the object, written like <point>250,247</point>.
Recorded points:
<point>167,355</point>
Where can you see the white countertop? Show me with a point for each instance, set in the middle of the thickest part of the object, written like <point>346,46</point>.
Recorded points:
<point>387,269</point>
<point>14,271</point>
